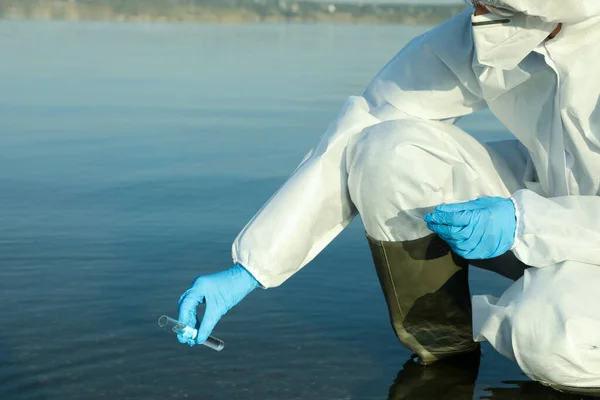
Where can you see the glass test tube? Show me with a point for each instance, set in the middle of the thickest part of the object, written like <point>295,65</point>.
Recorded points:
<point>188,331</point>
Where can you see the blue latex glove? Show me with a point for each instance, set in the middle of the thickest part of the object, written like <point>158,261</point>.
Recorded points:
<point>478,229</point>
<point>220,292</point>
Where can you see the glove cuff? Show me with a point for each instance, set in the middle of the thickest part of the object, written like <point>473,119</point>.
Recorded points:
<point>240,272</point>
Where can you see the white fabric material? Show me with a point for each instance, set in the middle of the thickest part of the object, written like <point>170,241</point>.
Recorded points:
<point>548,323</point>
<point>432,163</point>
<point>572,221</point>
<point>504,45</point>
<point>566,11</point>
<point>549,101</point>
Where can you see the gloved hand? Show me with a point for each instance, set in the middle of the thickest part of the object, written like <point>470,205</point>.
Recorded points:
<point>478,229</point>
<point>220,292</point>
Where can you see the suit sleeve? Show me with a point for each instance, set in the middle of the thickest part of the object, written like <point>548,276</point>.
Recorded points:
<point>430,79</point>
<point>557,229</point>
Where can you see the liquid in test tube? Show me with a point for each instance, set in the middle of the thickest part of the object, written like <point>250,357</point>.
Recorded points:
<point>188,331</point>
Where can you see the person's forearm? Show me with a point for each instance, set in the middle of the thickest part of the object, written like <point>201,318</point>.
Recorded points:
<point>553,230</point>
<point>309,211</point>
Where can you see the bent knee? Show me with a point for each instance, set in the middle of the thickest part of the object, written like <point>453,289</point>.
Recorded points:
<point>553,333</point>
<point>397,146</point>
<point>385,142</point>
<point>414,153</point>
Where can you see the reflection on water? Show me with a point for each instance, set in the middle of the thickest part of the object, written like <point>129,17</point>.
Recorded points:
<point>455,379</point>
<point>527,390</point>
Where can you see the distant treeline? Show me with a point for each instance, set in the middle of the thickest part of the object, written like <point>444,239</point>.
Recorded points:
<point>225,11</point>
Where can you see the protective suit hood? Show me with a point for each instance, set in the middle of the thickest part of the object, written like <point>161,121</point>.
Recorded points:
<point>565,11</point>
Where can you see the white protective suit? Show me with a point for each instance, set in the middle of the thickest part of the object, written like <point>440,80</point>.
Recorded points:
<point>399,135</point>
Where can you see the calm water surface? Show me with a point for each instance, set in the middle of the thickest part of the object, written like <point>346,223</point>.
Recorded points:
<point>130,157</point>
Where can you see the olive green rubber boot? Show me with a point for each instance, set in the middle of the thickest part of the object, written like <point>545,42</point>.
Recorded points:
<point>426,288</point>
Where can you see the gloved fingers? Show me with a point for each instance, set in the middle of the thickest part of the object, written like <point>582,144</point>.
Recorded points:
<point>485,243</point>
<point>465,232</point>
<point>482,202</point>
<point>212,315</point>
<point>455,244</point>
<point>471,248</point>
<point>187,311</point>
<point>463,249</point>
<point>446,232</point>
<point>460,218</point>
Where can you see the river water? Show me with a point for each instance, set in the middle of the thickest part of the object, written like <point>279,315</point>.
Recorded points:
<point>130,157</point>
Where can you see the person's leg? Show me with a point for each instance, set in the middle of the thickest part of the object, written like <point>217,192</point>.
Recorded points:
<point>548,322</point>
<point>400,170</point>
<point>397,172</point>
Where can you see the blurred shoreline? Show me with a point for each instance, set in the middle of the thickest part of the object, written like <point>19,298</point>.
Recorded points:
<point>225,11</point>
